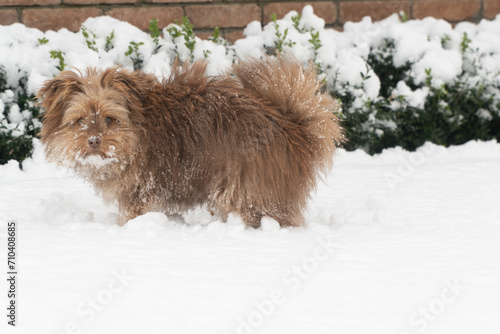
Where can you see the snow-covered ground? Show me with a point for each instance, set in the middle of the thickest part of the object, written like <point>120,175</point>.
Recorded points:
<point>395,243</point>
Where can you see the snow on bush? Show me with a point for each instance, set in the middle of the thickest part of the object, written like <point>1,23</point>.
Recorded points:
<point>400,82</point>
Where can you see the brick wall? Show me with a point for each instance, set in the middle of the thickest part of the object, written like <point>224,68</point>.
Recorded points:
<point>231,15</point>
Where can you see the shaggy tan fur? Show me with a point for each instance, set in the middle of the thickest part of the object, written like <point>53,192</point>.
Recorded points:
<point>252,142</point>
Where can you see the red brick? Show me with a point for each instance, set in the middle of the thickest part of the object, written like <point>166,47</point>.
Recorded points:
<point>325,10</point>
<point>228,16</point>
<point>29,2</point>
<point>98,2</point>
<point>377,10</point>
<point>203,34</point>
<point>491,8</point>
<point>233,35</point>
<point>179,1</point>
<point>7,17</point>
<point>140,17</point>
<point>57,18</point>
<point>451,10</point>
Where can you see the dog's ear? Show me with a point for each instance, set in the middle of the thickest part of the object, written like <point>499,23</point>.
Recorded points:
<point>132,85</point>
<point>53,97</point>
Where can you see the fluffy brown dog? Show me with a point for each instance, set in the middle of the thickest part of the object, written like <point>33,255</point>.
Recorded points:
<point>251,142</point>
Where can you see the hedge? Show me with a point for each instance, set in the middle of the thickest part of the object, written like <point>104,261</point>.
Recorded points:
<point>394,101</point>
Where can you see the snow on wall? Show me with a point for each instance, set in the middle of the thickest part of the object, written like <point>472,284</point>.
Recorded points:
<point>429,44</point>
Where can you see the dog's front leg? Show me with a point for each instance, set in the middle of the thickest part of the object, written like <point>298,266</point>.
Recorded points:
<point>130,207</point>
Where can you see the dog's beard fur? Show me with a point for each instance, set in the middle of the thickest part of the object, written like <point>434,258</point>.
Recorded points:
<point>96,113</point>
<point>252,142</point>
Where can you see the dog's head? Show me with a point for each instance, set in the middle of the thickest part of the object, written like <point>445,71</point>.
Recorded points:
<point>93,120</point>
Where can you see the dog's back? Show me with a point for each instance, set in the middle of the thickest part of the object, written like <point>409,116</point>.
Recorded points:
<point>252,142</point>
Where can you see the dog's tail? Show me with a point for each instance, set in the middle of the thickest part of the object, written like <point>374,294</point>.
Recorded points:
<point>295,91</point>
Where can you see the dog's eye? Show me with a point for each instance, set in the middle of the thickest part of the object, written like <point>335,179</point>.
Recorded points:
<point>108,120</point>
<point>81,121</point>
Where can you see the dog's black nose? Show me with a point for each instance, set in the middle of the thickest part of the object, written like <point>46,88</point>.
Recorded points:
<point>94,142</point>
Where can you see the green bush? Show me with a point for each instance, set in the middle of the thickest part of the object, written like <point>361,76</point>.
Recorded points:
<point>452,115</point>
<point>16,139</point>
<point>464,109</point>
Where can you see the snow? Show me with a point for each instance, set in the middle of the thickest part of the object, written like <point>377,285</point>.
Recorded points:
<point>400,242</point>
<point>414,98</point>
<point>96,161</point>
<point>15,115</point>
<point>309,19</point>
<point>428,45</point>
<point>484,114</point>
<point>445,65</point>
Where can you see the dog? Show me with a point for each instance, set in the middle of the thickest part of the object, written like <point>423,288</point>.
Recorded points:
<point>252,141</point>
